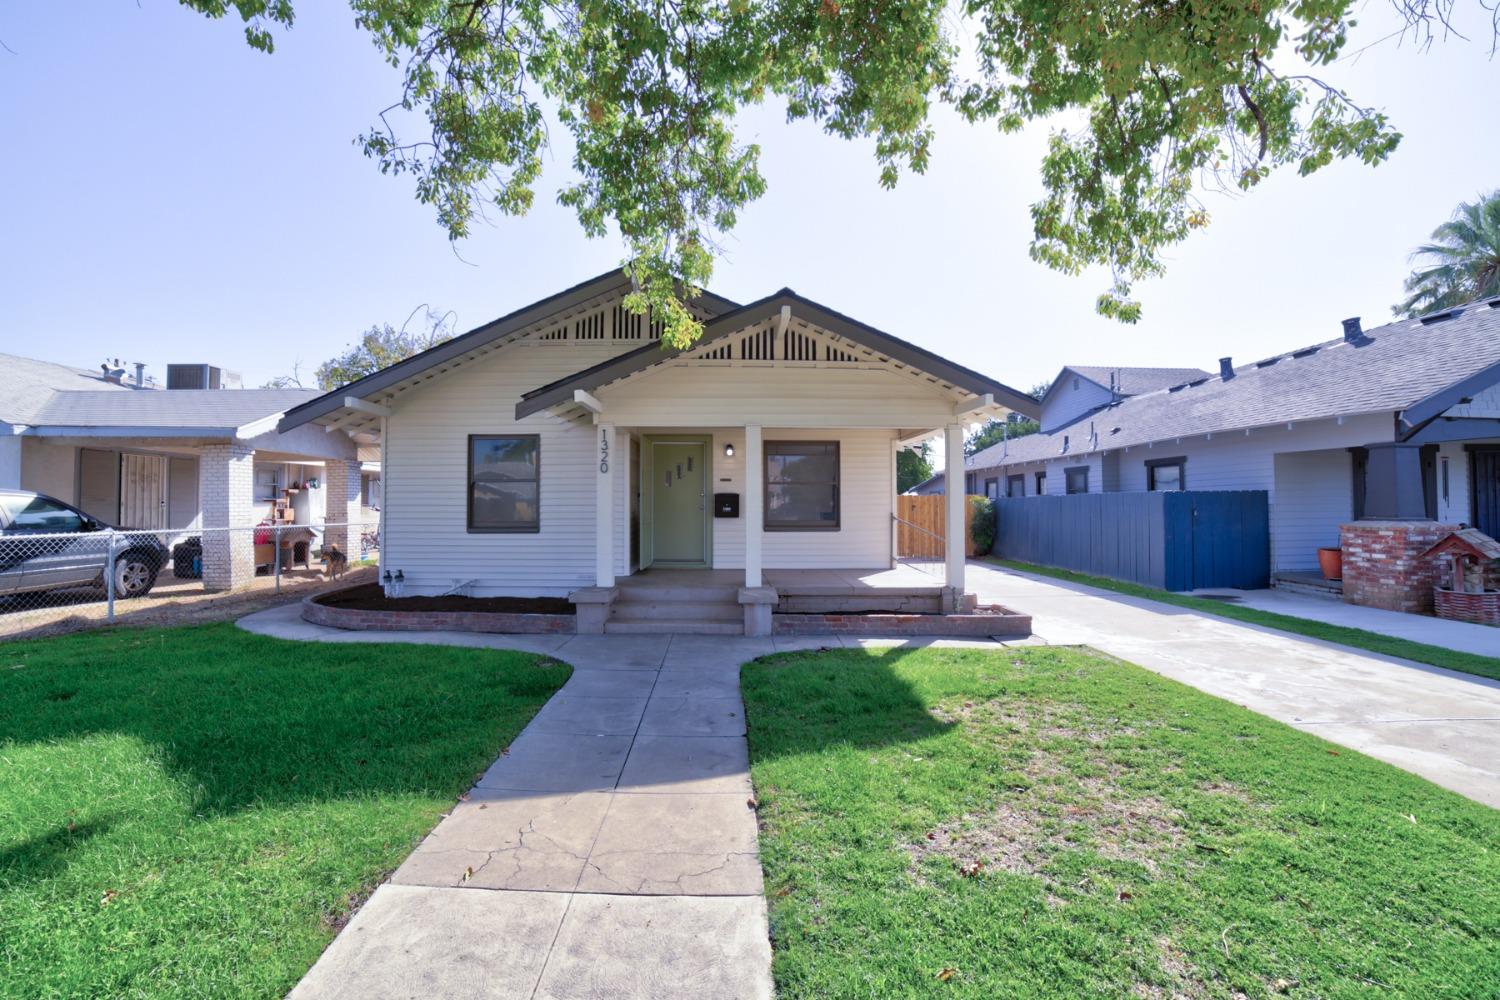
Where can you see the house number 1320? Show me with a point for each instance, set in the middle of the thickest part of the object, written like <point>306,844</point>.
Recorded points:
<point>603,452</point>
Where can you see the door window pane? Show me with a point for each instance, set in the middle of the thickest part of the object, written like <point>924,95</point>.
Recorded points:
<point>504,483</point>
<point>802,486</point>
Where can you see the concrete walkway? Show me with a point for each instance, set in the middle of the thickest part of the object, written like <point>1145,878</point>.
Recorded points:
<point>1465,637</point>
<point>1440,724</point>
<point>610,852</point>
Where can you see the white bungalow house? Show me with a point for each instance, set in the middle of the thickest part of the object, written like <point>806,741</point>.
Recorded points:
<point>1398,424</point>
<point>563,450</point>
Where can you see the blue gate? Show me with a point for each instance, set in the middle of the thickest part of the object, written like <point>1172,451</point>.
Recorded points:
<point>1176,541</point>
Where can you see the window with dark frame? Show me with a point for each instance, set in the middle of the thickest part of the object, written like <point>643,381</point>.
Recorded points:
<point>1076,479</point>
<point>802,486</point>
<point>1166,475</point>
<point>1015,486</point>
<point>1041,484</point>
<point>505,483</point>
<point>992,488</point>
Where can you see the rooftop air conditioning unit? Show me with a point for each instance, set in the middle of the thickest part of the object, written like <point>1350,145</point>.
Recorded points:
<point>202,377</point>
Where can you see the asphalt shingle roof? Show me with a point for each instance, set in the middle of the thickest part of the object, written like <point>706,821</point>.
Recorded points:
<point>1135,381</point>
<point>27,385</point>
<point>226,408</point>
<point>1388,369</point>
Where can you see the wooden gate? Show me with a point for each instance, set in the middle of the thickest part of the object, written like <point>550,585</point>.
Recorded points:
<point>922,526</point>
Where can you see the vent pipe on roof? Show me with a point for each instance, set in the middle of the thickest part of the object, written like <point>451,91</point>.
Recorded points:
<point>140,374</point>
<point>1352,331</point>
<point>1226,368</point>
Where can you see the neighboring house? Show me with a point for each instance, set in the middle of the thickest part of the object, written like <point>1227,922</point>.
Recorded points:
<point>1402,421</point>
<point>564,447</point>
<point>172,460</point>
<point>929,487</point>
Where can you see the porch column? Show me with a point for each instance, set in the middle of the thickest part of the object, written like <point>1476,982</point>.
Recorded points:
<point>604,508</point>
<point>953,486</point>
<point>226,493</point>
<point>1393,483</point>
<point>755,471</point>
<point>343,510</point>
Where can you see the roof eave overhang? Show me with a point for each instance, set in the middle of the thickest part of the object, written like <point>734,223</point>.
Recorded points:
<point>116,431</point>
<point>633,362</point>
<point>1410,421</point>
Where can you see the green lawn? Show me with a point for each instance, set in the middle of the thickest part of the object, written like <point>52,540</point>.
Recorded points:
<point>1050,822</point>
<point>1421,652</point>
<point>194,811</point>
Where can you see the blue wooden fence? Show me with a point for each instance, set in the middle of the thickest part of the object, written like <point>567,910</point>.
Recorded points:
<point>1176,541</point>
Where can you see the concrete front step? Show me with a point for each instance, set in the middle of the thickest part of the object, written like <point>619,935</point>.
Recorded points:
<point>632,594</point>
<point>663,626</point>
<point>703,610</point>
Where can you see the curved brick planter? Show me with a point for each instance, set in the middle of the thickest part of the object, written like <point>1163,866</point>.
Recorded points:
<point>435,621</point>
<point>1002,623</point>
<point>1481,609</point>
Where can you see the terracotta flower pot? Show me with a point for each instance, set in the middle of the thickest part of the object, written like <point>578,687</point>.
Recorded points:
<point>1331,562</point>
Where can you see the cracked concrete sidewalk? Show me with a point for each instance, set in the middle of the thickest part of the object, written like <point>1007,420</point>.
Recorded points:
<point>609,852</point>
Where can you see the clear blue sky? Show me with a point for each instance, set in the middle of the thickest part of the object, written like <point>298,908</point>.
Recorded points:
<point>171,195</point>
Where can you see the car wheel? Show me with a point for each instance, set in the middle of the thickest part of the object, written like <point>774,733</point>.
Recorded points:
<point>134,575</point>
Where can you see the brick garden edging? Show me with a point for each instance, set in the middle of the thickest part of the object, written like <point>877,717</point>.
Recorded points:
<point>1481,609</point>
<point>1005,624</point>
<point>358,620</point>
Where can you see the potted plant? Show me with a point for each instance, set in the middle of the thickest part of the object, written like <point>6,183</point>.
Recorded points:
<point>1331,562</point>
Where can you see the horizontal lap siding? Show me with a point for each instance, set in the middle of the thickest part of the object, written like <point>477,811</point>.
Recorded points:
<point>426,517</point>
<point>866,495</point>
<point>1314,495</point>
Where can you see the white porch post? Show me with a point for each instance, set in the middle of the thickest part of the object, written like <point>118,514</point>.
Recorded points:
<point>604,508</point>
<point>753,505</point>
<point>953,483</point>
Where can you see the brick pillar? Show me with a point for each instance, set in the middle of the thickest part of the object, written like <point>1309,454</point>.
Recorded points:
<point>226,493</point>
<point>343,506</point>
<point>1383,564</point>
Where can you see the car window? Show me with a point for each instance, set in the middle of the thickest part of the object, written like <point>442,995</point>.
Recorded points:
<point>41,514</point>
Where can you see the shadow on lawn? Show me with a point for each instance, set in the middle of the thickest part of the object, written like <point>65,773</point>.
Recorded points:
<point>806,702</point>
<point>246,721</point>
<point>44,855</point>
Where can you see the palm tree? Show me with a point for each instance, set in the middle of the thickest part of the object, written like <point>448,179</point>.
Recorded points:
<point>1462,263</point>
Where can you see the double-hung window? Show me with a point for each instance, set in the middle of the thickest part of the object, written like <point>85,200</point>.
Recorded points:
<point>802,486</point>
<point>505,482</point>
<point>1166,474</point>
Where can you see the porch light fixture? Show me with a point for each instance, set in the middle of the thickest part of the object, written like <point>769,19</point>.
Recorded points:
<point>729,451</point>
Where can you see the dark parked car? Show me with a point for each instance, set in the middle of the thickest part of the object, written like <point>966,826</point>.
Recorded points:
<point>32,561</point>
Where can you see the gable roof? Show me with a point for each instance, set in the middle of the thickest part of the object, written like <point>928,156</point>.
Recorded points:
<point>736,320</point>
<point>477,339</point>
<point>1414,368</point>
<point>27,385</point>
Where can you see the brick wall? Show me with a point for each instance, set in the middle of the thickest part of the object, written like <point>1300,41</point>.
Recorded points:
<point>344,507</point>
<point>1383,564</point>
<point>226,494</point>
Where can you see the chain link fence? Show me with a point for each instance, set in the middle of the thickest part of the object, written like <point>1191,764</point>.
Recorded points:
<point>59,582</point>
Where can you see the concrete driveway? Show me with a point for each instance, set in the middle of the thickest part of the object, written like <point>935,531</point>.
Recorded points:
<point>1440,724</point>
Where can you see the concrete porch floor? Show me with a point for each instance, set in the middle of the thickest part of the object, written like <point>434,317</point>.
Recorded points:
<point>803,581</point>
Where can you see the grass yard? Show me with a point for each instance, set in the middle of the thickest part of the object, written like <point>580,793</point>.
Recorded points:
<point>195,811</point>
<point>1050,822</point>
<point>1420,652</point>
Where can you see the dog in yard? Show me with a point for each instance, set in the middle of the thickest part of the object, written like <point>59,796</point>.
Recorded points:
<point>334,562</point>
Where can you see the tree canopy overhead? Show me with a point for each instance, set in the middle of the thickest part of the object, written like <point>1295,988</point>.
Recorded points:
<point>1160,97</point>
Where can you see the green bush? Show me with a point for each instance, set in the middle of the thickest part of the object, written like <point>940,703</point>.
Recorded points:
<point>982,526</point>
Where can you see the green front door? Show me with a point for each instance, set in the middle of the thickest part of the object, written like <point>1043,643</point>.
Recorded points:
<point>679,502</point>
